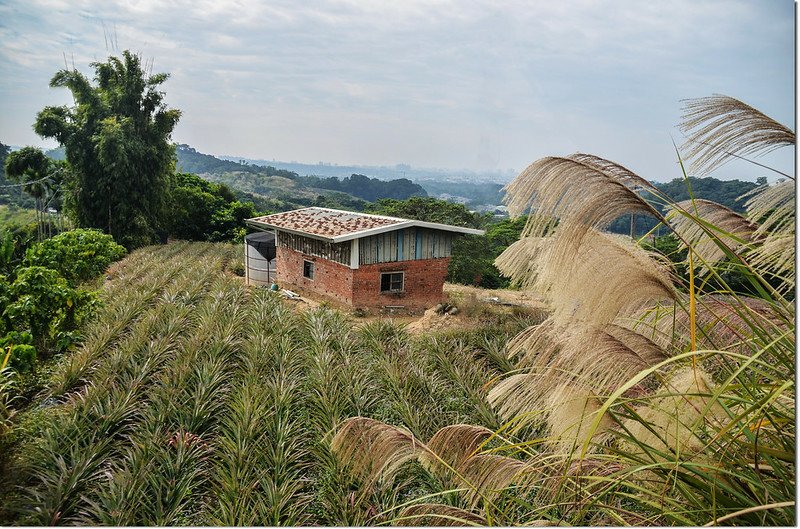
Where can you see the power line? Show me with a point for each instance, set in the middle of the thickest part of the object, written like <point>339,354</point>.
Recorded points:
<point>26,183</point>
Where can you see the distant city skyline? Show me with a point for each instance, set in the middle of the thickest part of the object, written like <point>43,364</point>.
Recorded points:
<point>478,86</point>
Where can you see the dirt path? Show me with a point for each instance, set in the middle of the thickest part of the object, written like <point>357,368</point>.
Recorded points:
<point>514,297</point>
<point>473,304</point>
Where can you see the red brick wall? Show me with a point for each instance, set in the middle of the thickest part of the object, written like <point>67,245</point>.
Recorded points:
<point>424,280</point>
<point>330,279</point>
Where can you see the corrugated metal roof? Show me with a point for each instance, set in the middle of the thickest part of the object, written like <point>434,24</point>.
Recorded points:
<point>337,225</point>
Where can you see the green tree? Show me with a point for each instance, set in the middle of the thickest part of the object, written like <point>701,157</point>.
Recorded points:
<point>41,176</point>
<point>78,255</point>
<point>429,210</point>
<point>472,262</point>
<point>41,302</point>
<point>205,211</point>
<point>117,143</point>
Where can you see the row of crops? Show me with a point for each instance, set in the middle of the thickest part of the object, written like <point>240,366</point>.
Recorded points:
<point>195,400</point>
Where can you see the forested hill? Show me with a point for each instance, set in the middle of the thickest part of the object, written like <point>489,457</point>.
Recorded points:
<point>357,185</point>
<point>370,189</point>
<point>192,161</point>
<point>725,192</point>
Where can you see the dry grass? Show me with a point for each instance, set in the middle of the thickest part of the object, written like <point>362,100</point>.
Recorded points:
<point>721,127</point>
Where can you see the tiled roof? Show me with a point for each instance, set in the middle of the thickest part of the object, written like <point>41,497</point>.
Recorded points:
<point>325,222</point>
<point>336,225</point>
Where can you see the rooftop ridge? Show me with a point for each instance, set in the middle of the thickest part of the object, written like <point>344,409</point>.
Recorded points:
<point>336,225</point>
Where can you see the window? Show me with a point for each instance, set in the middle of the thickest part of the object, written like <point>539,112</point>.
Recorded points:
<point>392,282</point>
<point>308,269</point>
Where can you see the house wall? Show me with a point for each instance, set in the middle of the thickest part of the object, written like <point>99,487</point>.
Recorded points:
<point>331,279</point>
<point>424,280</point>
<point>339,252</point>
<point>405,245</point>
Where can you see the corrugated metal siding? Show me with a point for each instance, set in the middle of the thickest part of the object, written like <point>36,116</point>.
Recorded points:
<point>405,245</point>
<point>337,252</point>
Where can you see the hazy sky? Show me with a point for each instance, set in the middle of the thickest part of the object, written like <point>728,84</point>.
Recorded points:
<point>455,84</point>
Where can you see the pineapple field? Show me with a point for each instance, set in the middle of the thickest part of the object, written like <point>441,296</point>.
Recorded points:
<point>196,400</point>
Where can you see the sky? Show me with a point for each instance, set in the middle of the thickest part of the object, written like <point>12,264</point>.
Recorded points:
<point>478,85</point>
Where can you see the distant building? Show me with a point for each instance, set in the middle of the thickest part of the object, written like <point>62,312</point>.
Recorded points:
<point>365,261</point>
<point>453,198</point>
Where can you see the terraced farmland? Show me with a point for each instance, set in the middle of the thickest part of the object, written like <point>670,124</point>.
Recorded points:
<point>196,400</point>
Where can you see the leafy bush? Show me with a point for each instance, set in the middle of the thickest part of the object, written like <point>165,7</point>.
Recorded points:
<point>78,255</point>
<point>41,302</point>
<point>19,347</point>
<point>205,211</point>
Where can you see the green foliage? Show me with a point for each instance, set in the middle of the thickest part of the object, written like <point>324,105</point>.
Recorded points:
<point>29,164</point>
<point>205,211</point>
<point>78,255</point>
<point>42,178</point>
<point>478,193</point>
<point>42,302</point>
<point>429,210</point>
<point>367,188</point>
<point>725,192</point>
<point>23,353</point>
<point>191,161</point>
<point>472,262</point>
<point>116,139</point>
<point>6,250</point>
<point>24,231</point>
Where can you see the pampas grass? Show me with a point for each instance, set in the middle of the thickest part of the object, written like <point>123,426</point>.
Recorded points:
<point>721,127</point>
<point>693,219</point>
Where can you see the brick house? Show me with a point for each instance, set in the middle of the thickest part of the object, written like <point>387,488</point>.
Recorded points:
<point>365,261</point>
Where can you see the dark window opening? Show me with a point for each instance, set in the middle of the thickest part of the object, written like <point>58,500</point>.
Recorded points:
<point>392,282</point>
<point>308,269</point>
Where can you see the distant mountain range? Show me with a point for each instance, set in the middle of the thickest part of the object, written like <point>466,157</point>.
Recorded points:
<point>382,172</point>
<point>465,187</point>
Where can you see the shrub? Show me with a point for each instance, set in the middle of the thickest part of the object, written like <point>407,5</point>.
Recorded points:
<point>19,347</point>
<point>43,303</point>
<point>78,255</point>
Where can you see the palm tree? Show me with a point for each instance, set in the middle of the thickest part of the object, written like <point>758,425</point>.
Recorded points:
<point>41,178</point>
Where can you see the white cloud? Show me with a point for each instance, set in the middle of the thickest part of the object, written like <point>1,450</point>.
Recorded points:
<point>482,84</point>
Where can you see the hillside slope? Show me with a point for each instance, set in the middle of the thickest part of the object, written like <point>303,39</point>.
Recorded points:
<point>196,400</point>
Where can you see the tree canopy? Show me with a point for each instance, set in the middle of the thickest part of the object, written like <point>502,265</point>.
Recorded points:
<point>117,142</point>
<point>429,210</point>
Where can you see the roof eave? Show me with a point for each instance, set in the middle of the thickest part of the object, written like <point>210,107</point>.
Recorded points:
<point>263,225</point>
<point>371,231</point>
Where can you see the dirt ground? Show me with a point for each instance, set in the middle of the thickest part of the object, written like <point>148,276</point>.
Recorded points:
<point>472,303</point>
<point>517,297</point>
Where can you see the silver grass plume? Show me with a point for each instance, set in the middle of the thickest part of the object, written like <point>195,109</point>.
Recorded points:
<point>690,219</point>
<point>594,277</point>
<point>723,323</point>
<point>487,475</point>
<point>773,207</point>
<point>374,450</point>
<point>578,188</point>
<point>570,372</point>
<point>452,445</point>
<point>587,275</point>
<point>674,418</point>
<point>454,453</point>
<point>520,261</point>
<point>720,127</point>
<point>439,515</point>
